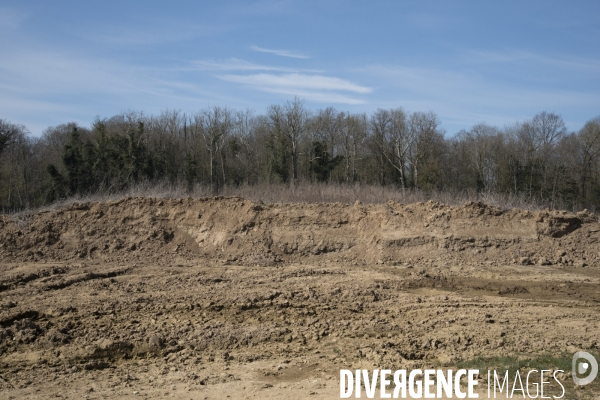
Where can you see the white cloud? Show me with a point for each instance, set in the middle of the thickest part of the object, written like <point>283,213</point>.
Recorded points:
<point>136,37</point>
<point>235,64</point>
<point>282,53</point>
<point>48,72</point>
<point>474,90</point>
<point>38,86</point>
<point>297,81</point>
<point>465,98</point>
<point>316,96</point>
<point>420,79</point>
<point>323,89</point>
<point>152,33</point>
<point>520,57</point>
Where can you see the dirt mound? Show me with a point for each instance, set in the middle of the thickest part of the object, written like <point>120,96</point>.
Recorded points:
<point>227,298</point>
<point>238,230</point>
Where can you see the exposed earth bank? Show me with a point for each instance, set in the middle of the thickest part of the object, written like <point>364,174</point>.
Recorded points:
<point>209,298</point>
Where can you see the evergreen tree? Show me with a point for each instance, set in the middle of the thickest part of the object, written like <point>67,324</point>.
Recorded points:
<point>322,164</point>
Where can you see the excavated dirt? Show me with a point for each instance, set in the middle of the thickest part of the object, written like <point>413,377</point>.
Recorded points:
<point>227,298</point>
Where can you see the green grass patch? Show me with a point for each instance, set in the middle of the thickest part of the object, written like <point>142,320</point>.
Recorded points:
<point>519,362</point>
<point>544,361</point>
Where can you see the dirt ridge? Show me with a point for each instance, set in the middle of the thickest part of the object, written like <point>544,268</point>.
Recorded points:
<point>235,229</point>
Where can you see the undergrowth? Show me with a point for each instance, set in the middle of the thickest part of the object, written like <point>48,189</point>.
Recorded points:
<point>306,192</point>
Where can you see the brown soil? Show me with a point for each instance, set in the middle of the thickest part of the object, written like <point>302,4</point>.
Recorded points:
<point>211,298</point>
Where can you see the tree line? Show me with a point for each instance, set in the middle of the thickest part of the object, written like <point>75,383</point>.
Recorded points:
<point>219,146</point>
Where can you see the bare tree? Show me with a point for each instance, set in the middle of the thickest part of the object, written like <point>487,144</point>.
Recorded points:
<point>328,124</point>
<point>380,123</point>
<point>276,141</point>
<point>401,141</point>
<point>422,129</point>
<point>353,131</point>
<point>588,155</point>
<point>536,141</point>
<point>16,166</point>
<point>479,145</point>
<point>290,120</point>
<point>326,127</point>
<point>165,134</point>
<point>215,124</point>
<point>244,147</point>
<point>8,132</point>
<point>296,118</point>
<point>547,128</point>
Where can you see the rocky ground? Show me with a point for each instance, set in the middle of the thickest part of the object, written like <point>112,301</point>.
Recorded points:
<point>226,298</point>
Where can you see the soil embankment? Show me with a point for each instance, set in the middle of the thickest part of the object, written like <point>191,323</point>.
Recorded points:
<point>205,298</point>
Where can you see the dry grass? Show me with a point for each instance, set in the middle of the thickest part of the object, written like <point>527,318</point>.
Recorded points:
<point>371,194</point>
<point>306,193</point>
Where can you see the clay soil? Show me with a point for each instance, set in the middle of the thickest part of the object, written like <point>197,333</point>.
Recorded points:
<point>227,298</point>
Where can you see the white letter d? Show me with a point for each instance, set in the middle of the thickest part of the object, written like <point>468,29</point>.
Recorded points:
<point>345,393</point>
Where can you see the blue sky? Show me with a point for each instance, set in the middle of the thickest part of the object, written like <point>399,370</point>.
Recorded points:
<point>469,61</point>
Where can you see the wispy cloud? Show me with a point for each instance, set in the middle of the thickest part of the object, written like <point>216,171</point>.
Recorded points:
<point>282,53</point>
<point>317,88</point>
<point>153,32</point>
<point>520,57</point>
<point>317,96</point>
<point>235,64</point>
<point>47,72</point>
<point>48,86</point>
<point>429,82</point>
<point>299,81</point>
<point>465,98</point>
<point>135,37</point>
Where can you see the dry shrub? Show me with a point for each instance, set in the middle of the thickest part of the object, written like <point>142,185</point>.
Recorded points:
<point>305,192</point>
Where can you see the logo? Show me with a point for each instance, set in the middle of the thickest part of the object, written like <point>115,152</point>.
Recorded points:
<point>582,368</point>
